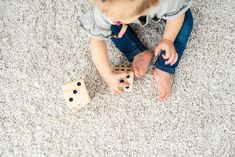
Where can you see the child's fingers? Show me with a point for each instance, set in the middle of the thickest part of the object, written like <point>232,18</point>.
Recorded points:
<point>123,84</point>
<point>113,91</point>
<point>118,91</point>
<point>171,59</point>
<point>168,54</point>
<point>122,75</point>
<point>175,60</point>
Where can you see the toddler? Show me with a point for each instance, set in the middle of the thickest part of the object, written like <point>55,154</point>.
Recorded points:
<point>109,19</point>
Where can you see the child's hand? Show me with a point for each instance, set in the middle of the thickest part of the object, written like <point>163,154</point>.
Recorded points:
<point>114,81</point>
<point>171,55</point>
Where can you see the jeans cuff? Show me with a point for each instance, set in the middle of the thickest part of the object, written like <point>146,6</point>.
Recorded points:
<point>169,70</point>
<point>130,55</point>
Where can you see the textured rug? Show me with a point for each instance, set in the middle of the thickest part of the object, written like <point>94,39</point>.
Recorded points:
<point>42,47</point>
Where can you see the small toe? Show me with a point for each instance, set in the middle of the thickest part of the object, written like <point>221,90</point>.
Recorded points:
<point>168,93</point>
<point>162,95</point>
<point>141,73</point>
<point>136,71</point>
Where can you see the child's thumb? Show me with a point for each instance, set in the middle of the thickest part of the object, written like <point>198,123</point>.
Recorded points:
<point>122,75</point>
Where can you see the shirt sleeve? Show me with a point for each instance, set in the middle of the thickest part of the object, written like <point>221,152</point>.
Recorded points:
<point>95,24</point>
<point>174,8</point>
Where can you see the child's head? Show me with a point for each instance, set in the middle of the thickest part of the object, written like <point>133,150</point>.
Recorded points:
<point>125,11</point>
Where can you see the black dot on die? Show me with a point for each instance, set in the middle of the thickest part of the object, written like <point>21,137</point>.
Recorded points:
<point>79,84</point>
<point>128,76</point>
<point>122,81</point>
<point>127,87</point>
<point>75,91</point>
<point>70,99</point>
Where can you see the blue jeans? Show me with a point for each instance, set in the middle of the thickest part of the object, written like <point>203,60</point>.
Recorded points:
<point>130,45</point>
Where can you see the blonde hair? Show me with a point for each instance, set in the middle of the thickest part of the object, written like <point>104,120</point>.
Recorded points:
<point>123,9</point>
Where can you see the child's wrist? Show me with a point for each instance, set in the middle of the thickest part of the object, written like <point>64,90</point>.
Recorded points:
<point>168,39</point>
<point>106,74</point>
<point>168,36</point>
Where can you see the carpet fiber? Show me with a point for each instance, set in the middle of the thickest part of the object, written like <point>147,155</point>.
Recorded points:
<point>42,47</point>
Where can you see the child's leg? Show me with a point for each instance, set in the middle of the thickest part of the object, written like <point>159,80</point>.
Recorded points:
<point>179,43</point>
<point>162,72</point>
<point>130,45</point>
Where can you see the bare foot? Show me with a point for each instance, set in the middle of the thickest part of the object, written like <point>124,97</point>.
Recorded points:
<point>141,63</point>
<point>163,79</point>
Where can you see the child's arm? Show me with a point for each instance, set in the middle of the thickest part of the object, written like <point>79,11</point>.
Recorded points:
<point>101,61</point>
<point>100,56</point>
<point>173,27</point>
<point>170,33</point>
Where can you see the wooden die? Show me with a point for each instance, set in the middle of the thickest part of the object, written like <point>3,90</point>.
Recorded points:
<point>128,79</point>
<point>76,95</point>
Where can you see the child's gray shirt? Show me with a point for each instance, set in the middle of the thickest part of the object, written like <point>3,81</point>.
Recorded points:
<point>98,25</point>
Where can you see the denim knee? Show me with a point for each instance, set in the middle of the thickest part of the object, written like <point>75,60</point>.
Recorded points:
<point>186,29</point>
<point>179,43</point>
<point>129,44</point>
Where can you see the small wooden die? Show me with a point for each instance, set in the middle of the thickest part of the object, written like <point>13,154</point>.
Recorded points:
<point>128,79</point>
<point>76,95</point>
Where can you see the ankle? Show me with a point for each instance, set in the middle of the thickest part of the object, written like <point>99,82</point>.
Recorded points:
<point>148,52</point>
<point>157,71</point>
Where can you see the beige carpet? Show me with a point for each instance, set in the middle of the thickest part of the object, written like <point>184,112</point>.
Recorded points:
<point>42,47</point>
